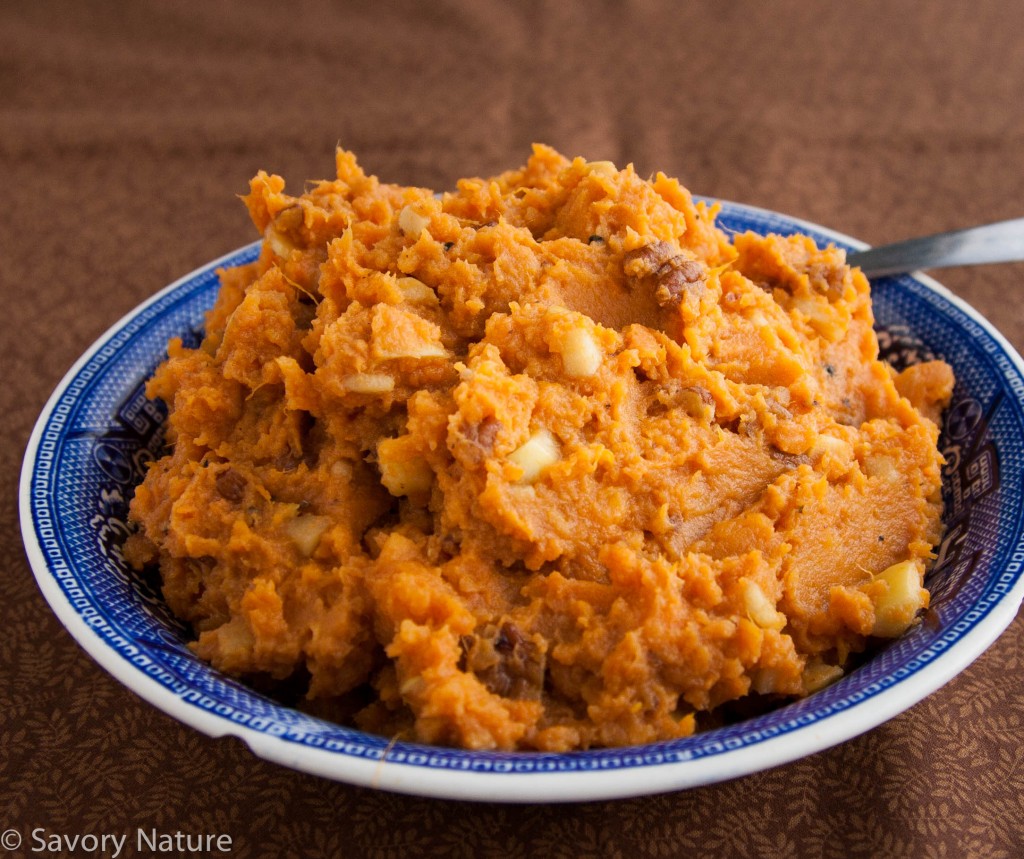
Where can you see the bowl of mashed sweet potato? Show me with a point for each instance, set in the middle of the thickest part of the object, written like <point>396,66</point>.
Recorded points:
<point>563,471</point>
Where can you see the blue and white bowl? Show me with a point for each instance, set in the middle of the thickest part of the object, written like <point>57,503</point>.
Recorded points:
<point>96,433</point>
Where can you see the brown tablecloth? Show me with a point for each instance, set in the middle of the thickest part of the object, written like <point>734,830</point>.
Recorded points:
<point>126,130</point>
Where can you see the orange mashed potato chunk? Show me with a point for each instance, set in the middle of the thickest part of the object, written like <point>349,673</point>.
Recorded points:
<point>549,462</point>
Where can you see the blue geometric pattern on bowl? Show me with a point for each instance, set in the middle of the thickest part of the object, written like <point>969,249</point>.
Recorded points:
<point>101,431</point>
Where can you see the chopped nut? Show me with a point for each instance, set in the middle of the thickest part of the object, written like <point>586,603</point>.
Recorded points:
<point>789,460</point>
<point>697,402</point>
<point>675,277</point>
<point>305,532</point>
<point>897,605</point>
<point>777,404</point>
<point>507,662</point>
<point>644,261</point>
<point>450,543</point>
<point>669,272</point>
<point>231,485</point>
<point>474,442</point>
<point>829,278</point>
<point>369,383</point>
<point>534,455</point>
<point>411,222</point>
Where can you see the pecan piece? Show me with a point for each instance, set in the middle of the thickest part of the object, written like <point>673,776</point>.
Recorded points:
<point>507,662</point>
<point>668,272</point>
<point>645,261</point>
<point>696,400</point>
<point>675,277</point>
<point>231,485</point>
<point>474,443</point>
<point>828,278</point>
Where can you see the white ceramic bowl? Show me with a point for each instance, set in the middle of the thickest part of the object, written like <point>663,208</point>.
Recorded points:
<point>98,430</point>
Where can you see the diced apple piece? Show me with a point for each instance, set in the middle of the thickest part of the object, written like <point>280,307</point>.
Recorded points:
<point>581,356</point>
<point>534,455</point>
<point>759,607</point>
<point>369,383</point>
<point>415,291</point>
<point>831,455</point>
<point>403,471</point>
<point>818,675</point>
<point>898,604</point>
<point>305,532</point>
<point>411,222</point>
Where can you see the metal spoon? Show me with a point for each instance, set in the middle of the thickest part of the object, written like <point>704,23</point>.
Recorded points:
<point>999,242</point>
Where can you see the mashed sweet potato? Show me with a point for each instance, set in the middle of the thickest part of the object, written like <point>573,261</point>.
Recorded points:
<point>549,462</point>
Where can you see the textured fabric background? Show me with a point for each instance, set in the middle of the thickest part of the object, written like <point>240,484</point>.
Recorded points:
<point>127,130</point>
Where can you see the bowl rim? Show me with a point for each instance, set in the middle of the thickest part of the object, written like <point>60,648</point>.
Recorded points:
<point>581,782</point>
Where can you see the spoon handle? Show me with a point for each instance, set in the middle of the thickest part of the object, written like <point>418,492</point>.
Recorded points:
<point>999,242</point>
